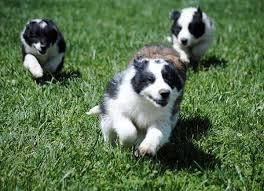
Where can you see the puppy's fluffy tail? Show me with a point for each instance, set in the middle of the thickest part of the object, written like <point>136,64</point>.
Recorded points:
<point>94,111</point>
<point>169,39</point>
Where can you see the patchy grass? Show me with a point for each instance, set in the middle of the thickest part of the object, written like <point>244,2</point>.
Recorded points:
<point>48,143</point>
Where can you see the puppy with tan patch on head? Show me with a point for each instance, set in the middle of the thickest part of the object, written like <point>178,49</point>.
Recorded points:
<point>141,104</point>
<point>191,33</point>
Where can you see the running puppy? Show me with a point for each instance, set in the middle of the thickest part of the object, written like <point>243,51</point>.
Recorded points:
<point>191,33</point>
<point>43,47</point>
<point>141,104</point>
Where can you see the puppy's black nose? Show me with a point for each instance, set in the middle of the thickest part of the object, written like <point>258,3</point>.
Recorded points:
<point>184,41</point>
<point>164,94</point>
<point>43,50</point>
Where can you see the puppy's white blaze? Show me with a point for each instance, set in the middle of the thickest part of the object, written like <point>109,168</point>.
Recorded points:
<point>43,24</point>
<point>154,67</point>
<point>186,16</point>
<point>94,111</point>
<point>36,20</point>
<point>32,64</point>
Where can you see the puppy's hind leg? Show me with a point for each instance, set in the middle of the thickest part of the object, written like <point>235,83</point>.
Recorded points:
<point>32,64</point>
<point>107,130</point>
<point>55,64</point>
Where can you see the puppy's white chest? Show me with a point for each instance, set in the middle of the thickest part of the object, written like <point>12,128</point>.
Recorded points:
<point>145,116</point>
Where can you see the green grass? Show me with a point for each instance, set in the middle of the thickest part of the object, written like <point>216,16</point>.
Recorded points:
<point>48,143</point>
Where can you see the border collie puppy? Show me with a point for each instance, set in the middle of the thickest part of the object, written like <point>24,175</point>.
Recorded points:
<point>141,103</point>
<point>192,33</point>
<point>43,47</point>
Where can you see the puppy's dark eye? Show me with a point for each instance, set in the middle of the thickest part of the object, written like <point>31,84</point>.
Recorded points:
<point>144,62</point>
<point>176,29</point>
<point>150,79</point>
<point>32,35</point>
<point>166,76</point>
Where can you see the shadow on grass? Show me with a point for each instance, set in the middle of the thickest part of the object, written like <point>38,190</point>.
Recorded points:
<point>61,77</point>
<point>207,63</point>
<point>181,153</point>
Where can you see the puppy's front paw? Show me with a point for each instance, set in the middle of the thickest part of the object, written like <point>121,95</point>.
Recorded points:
<point>145,149</point>
<point>37,72</point>
<point>184,57</point>
<point>32,64</point>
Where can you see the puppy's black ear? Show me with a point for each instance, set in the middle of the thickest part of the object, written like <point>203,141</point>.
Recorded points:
<point>139,64</point>
<point>200,13</point>
<point>51,30</point>
<point>174,15</point>
<point>53,35</point>
<point>30,27</point>
<point>28,32</point>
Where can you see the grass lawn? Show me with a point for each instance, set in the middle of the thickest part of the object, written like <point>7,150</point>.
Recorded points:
<point>48,143</point>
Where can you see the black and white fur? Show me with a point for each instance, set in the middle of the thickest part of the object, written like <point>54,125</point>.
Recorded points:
<point>139,105</point>
<point>191,33</point>
<point>43,47</point>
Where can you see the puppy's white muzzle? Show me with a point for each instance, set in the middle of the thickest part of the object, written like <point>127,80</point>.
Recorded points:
<point>42,49</point>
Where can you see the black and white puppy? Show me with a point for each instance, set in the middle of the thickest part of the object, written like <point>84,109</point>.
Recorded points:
<point>139,105</point>
<point>191,33</point>
<point>43,47</point>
